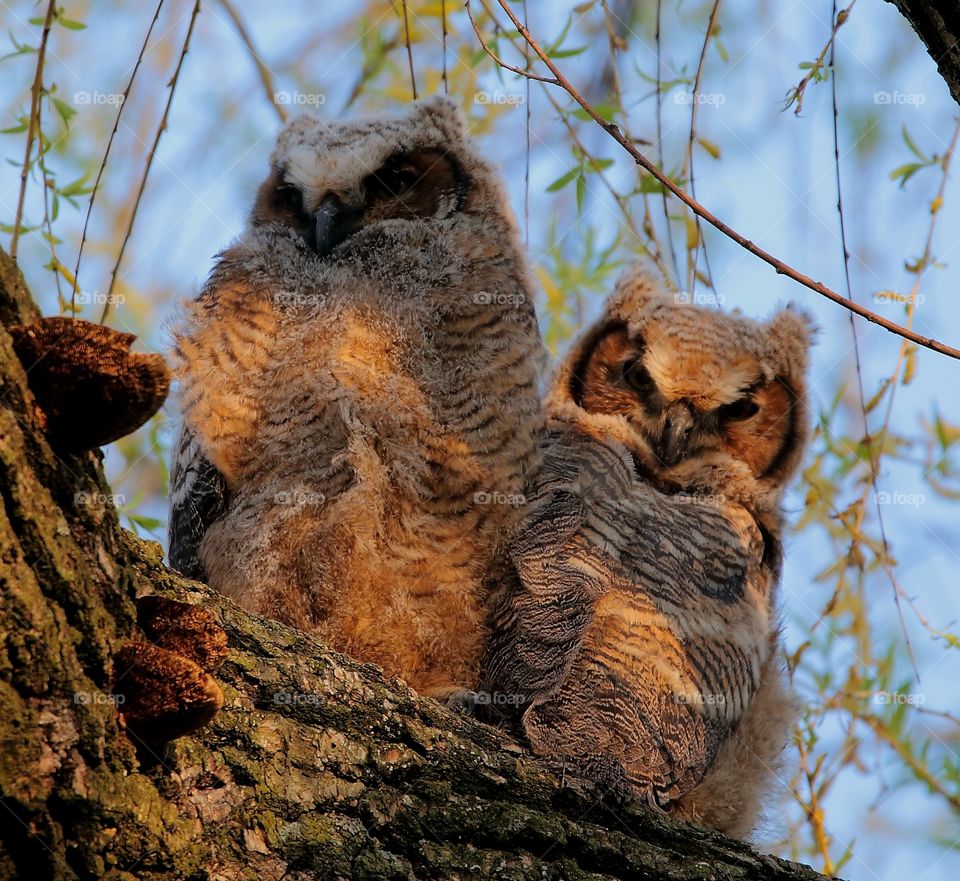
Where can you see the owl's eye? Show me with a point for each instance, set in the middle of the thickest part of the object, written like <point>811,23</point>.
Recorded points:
<point>740,410</point>
<point>636,377</point>
<point>287,197</point>
<point>394,180</point>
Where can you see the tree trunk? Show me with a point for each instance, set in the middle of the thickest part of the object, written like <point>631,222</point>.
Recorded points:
<point>937,23</point>
<point>315,768</point>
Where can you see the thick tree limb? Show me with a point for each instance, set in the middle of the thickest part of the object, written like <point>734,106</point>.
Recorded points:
<point>315,768</point>
<point>937,23</point>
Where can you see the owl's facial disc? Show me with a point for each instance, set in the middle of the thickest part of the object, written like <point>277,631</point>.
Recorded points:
<point>421,184</point>
<point>750,422</point>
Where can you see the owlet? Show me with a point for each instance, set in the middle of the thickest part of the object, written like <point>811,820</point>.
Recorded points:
<point>638,635</point>
<point>358,380</point>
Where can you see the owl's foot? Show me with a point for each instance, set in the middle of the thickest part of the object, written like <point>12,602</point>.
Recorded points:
<point>463,701</point>
<point>90,389</point>
<point>593,777</point>
<point>164,688</point>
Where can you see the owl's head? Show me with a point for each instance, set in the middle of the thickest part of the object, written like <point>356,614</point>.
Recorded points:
<point>703,398</point>
<point>329,179</point>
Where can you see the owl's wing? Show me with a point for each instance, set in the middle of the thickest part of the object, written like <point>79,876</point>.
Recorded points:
<point>537,623</point>
<point>198,496</point>
<point>597,634</point>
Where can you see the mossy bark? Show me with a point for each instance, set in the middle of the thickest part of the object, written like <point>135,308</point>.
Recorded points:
<point>315,768</point>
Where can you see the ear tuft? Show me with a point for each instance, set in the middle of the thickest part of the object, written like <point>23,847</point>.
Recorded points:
<point>792,330</point>
<point>443,112</point>
<point>639,287</point>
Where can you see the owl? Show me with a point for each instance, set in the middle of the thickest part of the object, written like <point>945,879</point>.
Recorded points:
<point>358,381</point>
<point>635,642</point>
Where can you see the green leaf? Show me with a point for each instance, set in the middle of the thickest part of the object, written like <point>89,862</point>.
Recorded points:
<point>906,171</point>
<point>912,146</point>
<point>65,110</point>
<point>563,180</point>
<point>70,24</point>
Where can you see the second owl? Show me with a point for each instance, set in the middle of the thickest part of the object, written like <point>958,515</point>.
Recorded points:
<point>637,636</point>
<point>358,374</point>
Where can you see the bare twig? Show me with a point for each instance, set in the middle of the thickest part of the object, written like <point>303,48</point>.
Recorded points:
<point>153,152</point>
<point>35,93</point>
<point>264,72</point>
<point>694,105</point>
<point>443,16</point>
<point>106,152</point>
<point>486,48</point>
<point>659,98</point>
<point>406,39</point>
<point>782,268</point>
<point>45,182</point>
<point>874,456</point>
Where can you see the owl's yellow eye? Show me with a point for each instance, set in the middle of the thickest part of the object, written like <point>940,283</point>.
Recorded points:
<point>740,410</point>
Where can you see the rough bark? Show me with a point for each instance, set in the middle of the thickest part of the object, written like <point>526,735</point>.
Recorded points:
<point>937,23</point>
<point>315,768</point>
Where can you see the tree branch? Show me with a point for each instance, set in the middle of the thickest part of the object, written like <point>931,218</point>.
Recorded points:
<point>782,268</point>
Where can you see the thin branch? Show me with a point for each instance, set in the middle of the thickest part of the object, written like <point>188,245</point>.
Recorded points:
<point>406,39</point>
<point>443,16</point>
<point>782,268</point>
<point>517,70</point>
<point>694,105</point>
<point>526,157</point>
<point>35,91</point>
<point>796,93</point>
<point>874,457</point>
<point>153,152</point>
<point>106,152</point>
<point>264,72</point>
<point>663,193</point>
<point>47,217</point>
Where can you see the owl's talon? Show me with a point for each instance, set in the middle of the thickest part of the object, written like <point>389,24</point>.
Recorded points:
<point>463,702</point>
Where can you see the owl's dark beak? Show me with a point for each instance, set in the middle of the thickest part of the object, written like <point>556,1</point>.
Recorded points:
<point>678,424</point>
<point>334,222</point>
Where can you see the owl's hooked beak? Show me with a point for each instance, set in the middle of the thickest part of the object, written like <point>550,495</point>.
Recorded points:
<point>678,422</point>
<point>334,222</point>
